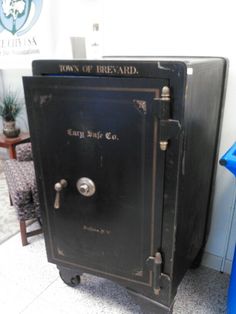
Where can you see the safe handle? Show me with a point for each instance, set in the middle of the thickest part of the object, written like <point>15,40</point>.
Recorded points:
<point>59,186</point>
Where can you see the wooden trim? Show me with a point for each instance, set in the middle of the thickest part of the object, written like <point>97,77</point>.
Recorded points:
<point>34,232</point>
<point>23,232</point>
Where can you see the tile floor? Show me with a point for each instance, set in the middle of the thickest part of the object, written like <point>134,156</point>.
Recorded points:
<point>31,285</point>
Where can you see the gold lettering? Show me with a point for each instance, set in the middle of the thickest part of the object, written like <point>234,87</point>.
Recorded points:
<point>98,135</point>
<point>91,134</point>
<point>100,69</point>
<point>133,70</point>
<point>87,68</point>
<point>109,69</point>
<point>75,68</point>
<point>61,67</point>
<point>97,230</point>
<point>121,70</point>
<point>127,70</point>
<point>69,68</point>
<point>108,135</point>
<point>81,134</point>
<point>69,132</point>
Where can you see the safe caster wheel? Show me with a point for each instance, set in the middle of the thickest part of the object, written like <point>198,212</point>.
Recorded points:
<point>72,282</point>
<point>69,277</point>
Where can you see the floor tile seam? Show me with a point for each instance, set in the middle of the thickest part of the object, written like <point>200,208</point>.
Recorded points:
<point>10,236</point>
<point>38,295</point>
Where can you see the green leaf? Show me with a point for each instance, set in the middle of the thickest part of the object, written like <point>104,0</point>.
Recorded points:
<point>10,106</point>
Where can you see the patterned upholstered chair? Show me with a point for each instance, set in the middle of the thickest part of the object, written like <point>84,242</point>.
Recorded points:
<point>20,177</point>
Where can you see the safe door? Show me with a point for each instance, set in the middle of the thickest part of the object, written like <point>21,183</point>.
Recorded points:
<point>95,142</point>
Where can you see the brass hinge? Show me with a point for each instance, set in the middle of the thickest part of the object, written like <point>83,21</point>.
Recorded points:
<point>154,264</point>
<point>168,128</point>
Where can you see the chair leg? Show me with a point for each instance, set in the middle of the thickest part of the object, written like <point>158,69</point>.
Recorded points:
<point>39,221</point>
<point>11,204</point>
<point>23,233</point>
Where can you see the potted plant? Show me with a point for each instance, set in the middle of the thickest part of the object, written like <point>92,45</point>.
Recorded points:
<point>10,108</point>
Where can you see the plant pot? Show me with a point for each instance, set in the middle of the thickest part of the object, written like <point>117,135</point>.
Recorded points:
<point>10,130</point>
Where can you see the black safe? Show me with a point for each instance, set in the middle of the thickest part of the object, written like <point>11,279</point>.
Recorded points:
<point>124,154</point>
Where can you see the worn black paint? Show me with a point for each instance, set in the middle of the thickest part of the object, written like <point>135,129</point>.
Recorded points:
<point>113,233</point>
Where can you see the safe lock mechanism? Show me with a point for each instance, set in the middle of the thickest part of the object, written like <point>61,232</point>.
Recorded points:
<point>86,186</point>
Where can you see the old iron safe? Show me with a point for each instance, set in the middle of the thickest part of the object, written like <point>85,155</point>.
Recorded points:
<point>124,154</point>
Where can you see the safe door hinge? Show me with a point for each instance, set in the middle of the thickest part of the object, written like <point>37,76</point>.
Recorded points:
<point>154,264</point>
<point>168,128</point>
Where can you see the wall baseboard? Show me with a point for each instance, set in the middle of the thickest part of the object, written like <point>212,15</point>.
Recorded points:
<point>214,261</point>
